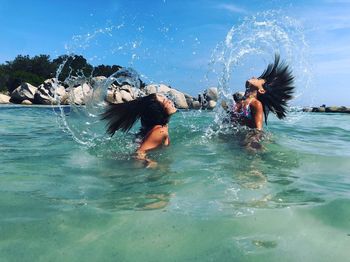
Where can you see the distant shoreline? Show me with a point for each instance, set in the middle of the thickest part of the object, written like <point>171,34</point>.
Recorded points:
<point>332,109</point>
<point>327,109</point>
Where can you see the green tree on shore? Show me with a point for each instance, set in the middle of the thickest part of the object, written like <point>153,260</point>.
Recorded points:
<point>37,69</point>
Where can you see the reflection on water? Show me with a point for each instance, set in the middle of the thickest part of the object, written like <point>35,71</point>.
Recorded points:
<point>139,189</point>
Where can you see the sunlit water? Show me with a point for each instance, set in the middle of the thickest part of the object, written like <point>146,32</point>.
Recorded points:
<point>70,193</point>
<point>208,200</point>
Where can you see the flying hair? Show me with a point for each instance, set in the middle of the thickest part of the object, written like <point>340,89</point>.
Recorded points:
<point>124,115</point>
<point>279,88</point>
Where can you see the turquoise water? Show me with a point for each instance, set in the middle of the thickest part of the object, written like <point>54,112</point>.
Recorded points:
<point>208,200</point>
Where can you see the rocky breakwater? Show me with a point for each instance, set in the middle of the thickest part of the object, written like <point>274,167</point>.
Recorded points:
<point>79,91</point>
<point>328,109</point>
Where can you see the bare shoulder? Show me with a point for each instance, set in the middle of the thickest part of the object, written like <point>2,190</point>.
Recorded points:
<point>158,129</point>
<point>154,138</point>
<point>256,104</point>
<point>158,132</point>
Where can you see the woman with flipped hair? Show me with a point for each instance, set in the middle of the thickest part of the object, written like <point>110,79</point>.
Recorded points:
<point>270,92</point>
<point>154,112</point>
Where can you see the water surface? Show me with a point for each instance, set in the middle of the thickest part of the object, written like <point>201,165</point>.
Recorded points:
<point>208,200</point>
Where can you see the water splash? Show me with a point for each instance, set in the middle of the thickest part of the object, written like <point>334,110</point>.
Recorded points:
<point>87,101</point>
<point>249,47</point>
<point>245,51</point>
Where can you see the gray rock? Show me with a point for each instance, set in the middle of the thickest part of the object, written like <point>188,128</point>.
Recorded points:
<point>137,92</point>
<point>332,109</point>
<point>189,100</point>
<point>97,81</point>
<point>211,105</point>
<point>177,96</point>
<point>345,109</point>
<point>126,88</point>
<point>238,96</point>
<point>114,97</point>
<point>80,94</point>
<point>211,94</point>
<point>196,105</point>
<point>179,99</point>
<point>4,99</point>
<point>126,96</point>
<point>319,109</point>
<point>25,91</point>
<point>307,109</point>
<point>337,109</point>
<point>328,109</point>
<point>153,88</point>
<point>26,102</point>
<point>50,92</point>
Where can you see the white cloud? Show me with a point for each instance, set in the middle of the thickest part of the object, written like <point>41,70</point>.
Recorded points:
<point>232,8</point>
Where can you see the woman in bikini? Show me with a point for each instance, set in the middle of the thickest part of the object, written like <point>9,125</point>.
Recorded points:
<point>270,92</point>
<point>154,111</point>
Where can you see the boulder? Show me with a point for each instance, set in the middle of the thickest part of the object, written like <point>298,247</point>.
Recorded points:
<point>25,91</point>
<point>189,100</point>
<point>179,99</point>
<point>307,109</point>
<point>97,81</point>
<point>150,89</point>
<point>4,99</point>
<point>320,109</point>
<point>114,97</point>
<point>211,94</point>
<point>50,92</point>
<point>345,109</point>
<point>126,96</point>
<point>211,105</point>
<point>332,109</point>
<point>137,92</point>
<point>26,102</point>
<point>337,109</point>
<point>126,88</point>
<point>79,95</point>
<point>196,105</point>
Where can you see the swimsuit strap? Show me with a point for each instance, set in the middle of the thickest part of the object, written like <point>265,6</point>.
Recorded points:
<point>246,111</point>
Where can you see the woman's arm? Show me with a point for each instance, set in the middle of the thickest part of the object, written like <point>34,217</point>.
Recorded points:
<point>252,141</point>
<point>154,139</point>
<point>257,112</point>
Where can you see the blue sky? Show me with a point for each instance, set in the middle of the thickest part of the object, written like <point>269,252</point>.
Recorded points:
<point>173,41</point>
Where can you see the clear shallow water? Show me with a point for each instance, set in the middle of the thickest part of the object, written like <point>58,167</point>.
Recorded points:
<point>208,200</point>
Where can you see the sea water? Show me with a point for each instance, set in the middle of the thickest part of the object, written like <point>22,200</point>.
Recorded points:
<point>209,199</point>
<point>68,192</point>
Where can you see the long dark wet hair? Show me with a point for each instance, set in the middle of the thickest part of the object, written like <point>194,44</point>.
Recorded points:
<point>124,115</point>
<point>279,88</point>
